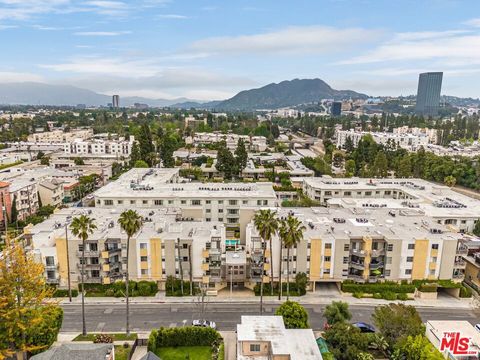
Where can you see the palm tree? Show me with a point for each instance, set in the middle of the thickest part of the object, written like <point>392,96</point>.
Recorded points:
<point>282,233</point>
<point>131,223</point>
<point>82,226</point>
<point>292,235</point>
<point>266,224</point>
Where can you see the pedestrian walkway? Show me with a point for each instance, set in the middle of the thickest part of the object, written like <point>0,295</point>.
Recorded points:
<point>230,344</point>
<point>139,352</point>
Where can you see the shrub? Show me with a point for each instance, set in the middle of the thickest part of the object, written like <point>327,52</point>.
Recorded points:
<point>358,294</point>
<point>465,292</point>
<point>349,286</point>
<point>182,336</point>
<point>126,345</point>
<point>109,292</point>
<point>377,296</point>
<point>402,296</point>
<point>389,295</point>
<point>103,339</point>
<point>430,288</point>
<point>64,293</point>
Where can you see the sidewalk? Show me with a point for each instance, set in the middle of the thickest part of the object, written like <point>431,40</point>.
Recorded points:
<point>308,299</point>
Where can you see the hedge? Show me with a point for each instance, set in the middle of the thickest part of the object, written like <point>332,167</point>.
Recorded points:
<point>387,286</point>
<point>292,288</point>
<point>117,289</point>
<point>173,287</point>
<point>64,293</point>
<point>183,336</point>
<point>428,288</point>
<point>465,292</point>
<point>447,284</point>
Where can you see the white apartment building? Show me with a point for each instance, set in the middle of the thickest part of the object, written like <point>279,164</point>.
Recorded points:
<point>438,202</point>
<point>406,141</point>
<point>254,143</point>
<point>59,136</point>
<point>120,147</point>
<point>430,133</point>
<point>25,193</point>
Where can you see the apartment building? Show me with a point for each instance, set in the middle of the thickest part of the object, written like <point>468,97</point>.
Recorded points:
<point>231,203</point>
<point>438,202</point>
<point>408,141</point>
<point>253,143</point>
<point>51,192</point>
<point>265,337</point>
<point>59,136</point>
<point>24,193</point>
<point>365,245</point>
<point>96,147</point>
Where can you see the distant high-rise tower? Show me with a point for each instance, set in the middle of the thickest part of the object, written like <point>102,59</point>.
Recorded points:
<point>115,101</point>
<point>336,109</point>
<point>428,94</point>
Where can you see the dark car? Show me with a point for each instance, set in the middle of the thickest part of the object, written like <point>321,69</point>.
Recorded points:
<point>364,327</point>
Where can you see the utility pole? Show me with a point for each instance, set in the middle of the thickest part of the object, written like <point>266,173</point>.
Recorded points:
<point>191,272</point>
<point>68,262</point>
<point>180,265</point>
<point>231,280</point>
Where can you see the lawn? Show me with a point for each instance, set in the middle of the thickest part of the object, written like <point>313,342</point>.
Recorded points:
<point>116,337</point>
<point>180,353</point>
<point>121,353</point>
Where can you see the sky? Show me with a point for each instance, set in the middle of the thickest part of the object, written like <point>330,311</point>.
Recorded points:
<point>211,49</point>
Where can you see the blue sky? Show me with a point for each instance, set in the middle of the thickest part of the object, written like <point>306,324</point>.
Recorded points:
<point>209,49</point>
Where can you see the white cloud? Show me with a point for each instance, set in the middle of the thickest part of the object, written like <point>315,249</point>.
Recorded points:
<point>473,22</point>
<point>6,77</point>
<point>173,16</point>
<point>291,40</point>
<point>25,9</point>
<point>101,33</point>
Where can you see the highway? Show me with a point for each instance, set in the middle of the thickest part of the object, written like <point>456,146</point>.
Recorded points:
<point>144,317</point>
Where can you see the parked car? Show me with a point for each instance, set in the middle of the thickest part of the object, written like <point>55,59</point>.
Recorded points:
<point>364,327</point>
<point>204,323</point>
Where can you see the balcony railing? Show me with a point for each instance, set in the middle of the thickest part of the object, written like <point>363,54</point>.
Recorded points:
<point>88,253</point>
<point>374,266</point>
<point>458,276</point>
<point>378,252</point>
<point>88,266</point>
<point>356,265</point>
<point>462,250</point>
<point>358,278</point>
<point>55,280</point>
<point>374,278</point>
<point>358,252</point>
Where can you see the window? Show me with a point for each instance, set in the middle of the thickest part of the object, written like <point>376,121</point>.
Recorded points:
<point>51,274</point>
<point>434,246</point>
<point>158,202</point>
<point>347,193</point>
<point>119,202</point>
<point>255,347</point>
<point>143,258</point>
<point>220,211</point>
<point>108,202</point>
<point>208,219</point>
<point>346,247</point>
<point>411,246</point>
<point>328,245</point>
<point>409,258</point>
<point>220,219</point>
<point>408,271</point>
<point>170,202</point>
<point>208,202</point>
<point>345,259</point>
<point>220,201</point>
<point>208,211</point>
<point>434,259</point>
<point>390,247</point>
<point>94,260</point>
<point>80,247</point>
<point>326,258</point>
<point>196,202</point>
<point>144,271</point>
<point>183,202</point>
<point>245,202</point>
<point>259,202</point>
<point>431,272</point>
<point>185,258</point>
<point>93,247</point>
<point>232,202</point>
<point>132,202</point>
<point>143,245</point>
<point>389,259</point>
<point>326,271</point>
<point>145,202</point>
<point>49,260</point>
<point>185,246</point>
<point>265,202</point>
<point>387,272</point>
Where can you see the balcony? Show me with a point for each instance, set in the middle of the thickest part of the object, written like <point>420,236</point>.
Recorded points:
<point>90,280</point>
<point>51,267</point>
<point>460,264</point>
<point>374,279</point>
<point>458,276</point>
<point>462,250</point>
<point>378,265</point>
<point>378,252</point>
<point>89,266</point>
<point>215,264</point>
<point>88,253</point>
<point>357,265</point>
<point>357,278</point>
<point>54,280</point>
<point>358,252</point>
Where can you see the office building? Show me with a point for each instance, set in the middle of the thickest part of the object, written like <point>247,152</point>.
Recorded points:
<point>428,93</point>
<point>265,337</point>
<point>336,108</point>
<point>115,101</point>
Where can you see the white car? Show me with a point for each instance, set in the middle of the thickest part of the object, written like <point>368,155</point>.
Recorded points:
<point>477,327</point>
<point>204,323</point>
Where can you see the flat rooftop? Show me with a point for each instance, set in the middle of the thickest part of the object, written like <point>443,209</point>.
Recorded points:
<point>165,183</point>
<point>300,344</point>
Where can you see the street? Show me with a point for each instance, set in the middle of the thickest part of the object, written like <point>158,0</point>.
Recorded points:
<point>144,317</point>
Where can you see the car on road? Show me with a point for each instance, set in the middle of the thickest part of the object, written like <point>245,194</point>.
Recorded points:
<point>364,327</point>
<point>477,327</point>
<point>204,323</point>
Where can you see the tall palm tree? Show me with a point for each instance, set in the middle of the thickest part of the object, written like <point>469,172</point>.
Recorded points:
<point>293,234</point>
<point>266,224</point>
<point>282,234</point>
<point>82,226</point>
<point>130,222</point>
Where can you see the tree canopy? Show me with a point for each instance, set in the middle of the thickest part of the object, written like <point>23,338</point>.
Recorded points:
<point>294,315</point>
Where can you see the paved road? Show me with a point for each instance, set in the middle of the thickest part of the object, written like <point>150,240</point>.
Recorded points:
<point>144,317</point>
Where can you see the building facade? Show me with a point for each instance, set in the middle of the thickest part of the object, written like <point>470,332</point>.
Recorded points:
<point>120,147</point>
<point>428,93</point>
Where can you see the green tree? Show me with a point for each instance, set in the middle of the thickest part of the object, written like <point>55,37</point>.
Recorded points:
<point>337,312</point>
<point>350,168</point>
<point>294,315</point>
<point>397,321</point>
<point>42,335</point>
<point>226,163</point>
<point>267,225</point>
<point>78,161</point>
<point>168,145</point>
<point>450,181</point>
<point>380,166</point>
<point>241,155</point>
<point>145,143</point>
<point>45,160</point>
<point>349,146</point>
<point>14,210</point>
<point>140,164</point>
<point>416,348</point>
<point>404,167</point>
<point>134,154</point>
<point>345,341</point>
<point>23,295</point>
<point>40,155</point>
<point>82,226</point>
<point>130,222</point>
<point>291,234</point>
<point>476,230</point>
